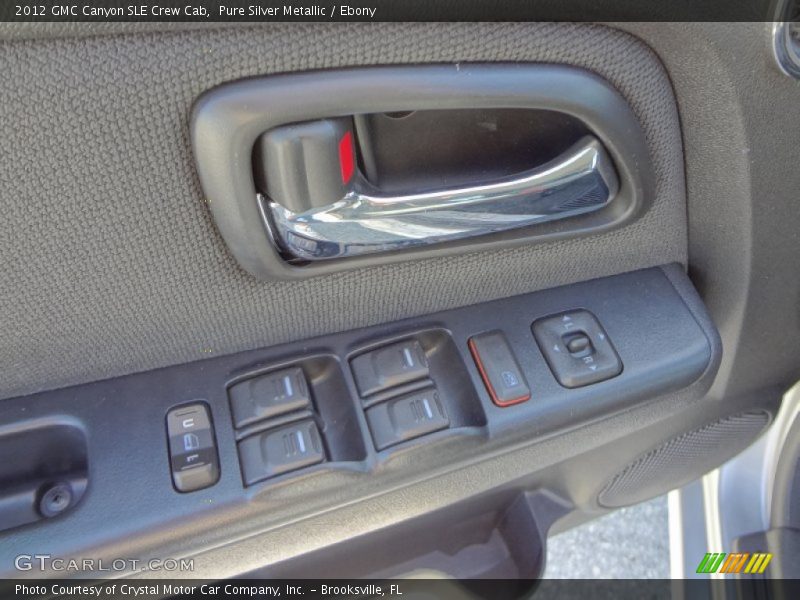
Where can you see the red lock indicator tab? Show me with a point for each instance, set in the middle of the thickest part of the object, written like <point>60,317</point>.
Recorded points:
<point>347,161</point>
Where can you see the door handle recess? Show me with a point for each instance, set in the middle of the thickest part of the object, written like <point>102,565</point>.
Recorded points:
<point>364,221</point>
<point>293,232</point>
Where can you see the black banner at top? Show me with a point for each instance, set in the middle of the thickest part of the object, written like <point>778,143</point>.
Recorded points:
<point>206,11</point>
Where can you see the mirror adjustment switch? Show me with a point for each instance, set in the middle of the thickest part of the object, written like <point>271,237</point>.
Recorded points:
<point>389,366</point>
<point>499,368</point>
<point>192,447</point>
<point>269,395</point>
<point>406,417</point>
<point>280,450</point>
<point>578,344</point>
<point>576,348</point>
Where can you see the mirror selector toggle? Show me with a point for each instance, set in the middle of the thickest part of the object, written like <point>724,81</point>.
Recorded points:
<point>389,366</point>
<point>578,344</point>
<point>576,348</point>
<point>192,447</point>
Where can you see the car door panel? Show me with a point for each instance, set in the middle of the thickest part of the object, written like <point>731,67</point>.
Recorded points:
<point>121,301</point>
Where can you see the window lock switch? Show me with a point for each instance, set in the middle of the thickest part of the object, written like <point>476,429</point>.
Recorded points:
<point>499,368</point>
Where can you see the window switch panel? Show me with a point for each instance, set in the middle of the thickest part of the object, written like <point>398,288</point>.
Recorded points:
<point>389,366</point>
<point>267,396</point>
<point>406,417</point>
<point>192,448</point>
<point>576,348</point>
<point>277,451</point>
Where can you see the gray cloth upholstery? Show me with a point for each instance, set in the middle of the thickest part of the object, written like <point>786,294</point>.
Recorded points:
<point>111,263</point>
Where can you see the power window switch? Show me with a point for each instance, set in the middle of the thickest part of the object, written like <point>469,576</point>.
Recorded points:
<point>407,417</point>
<point>577,348</point>
<point>389,366</point>
<point>280,450</point>
<point>499,368</point>
<point>267,396</point>
<point>192,447</point>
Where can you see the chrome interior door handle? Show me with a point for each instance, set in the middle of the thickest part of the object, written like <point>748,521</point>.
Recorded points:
<point>364,221</point>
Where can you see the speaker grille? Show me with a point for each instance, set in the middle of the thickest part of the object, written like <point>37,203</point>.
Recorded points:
<point>683,459</point>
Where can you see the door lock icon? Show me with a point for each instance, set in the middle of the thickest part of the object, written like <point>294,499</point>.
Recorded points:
<point>190,442</point>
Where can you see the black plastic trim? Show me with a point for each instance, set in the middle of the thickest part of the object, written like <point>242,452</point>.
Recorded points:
<point>665,347</point>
